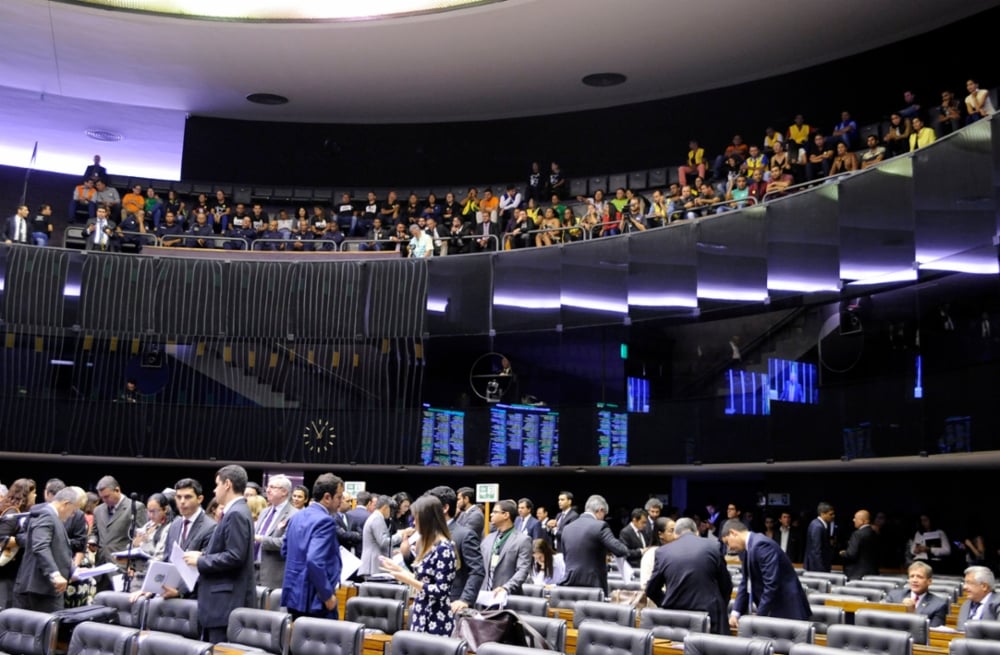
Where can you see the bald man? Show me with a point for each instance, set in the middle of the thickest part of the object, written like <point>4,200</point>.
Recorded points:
<point>861,555</point>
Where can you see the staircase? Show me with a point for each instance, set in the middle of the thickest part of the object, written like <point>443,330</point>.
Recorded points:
<point>211,365</point>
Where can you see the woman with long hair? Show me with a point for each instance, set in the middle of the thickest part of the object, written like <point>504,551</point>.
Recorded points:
<point>19,499</point>
<point>402,518</point>
<point>434,569</point>
<point>151,538</point>
<point>547,567</point>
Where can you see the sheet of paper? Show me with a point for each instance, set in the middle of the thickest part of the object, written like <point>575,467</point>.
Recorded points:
<point>489,599</point>
<point>189,574</point>
<point>624,567</point>
<point>159,575</point>
<point>103,569</point>
<point>348,564</point>
<point>137,553</point>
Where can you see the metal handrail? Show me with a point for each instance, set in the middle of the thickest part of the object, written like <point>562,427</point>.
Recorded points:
<point>582,228</point>
<point>215,237</point>
<point>144,235</point>
<point>678,215</point>
<point>473,237</point>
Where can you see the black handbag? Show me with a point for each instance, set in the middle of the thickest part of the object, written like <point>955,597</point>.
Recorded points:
<point>496,626</point>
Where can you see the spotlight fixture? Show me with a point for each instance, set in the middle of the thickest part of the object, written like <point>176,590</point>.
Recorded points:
<point>267,99</point>
<point>106,136</point>
<point>604,79</point>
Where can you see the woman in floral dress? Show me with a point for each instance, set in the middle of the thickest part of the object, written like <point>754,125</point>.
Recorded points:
<point>433,569</point>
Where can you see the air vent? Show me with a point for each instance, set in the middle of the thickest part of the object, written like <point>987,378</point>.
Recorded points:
<point>267,99</point>
<point>104,135</point>
<point>604,79</point>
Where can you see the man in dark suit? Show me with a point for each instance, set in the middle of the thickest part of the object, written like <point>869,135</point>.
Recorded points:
<point>48,560</point>
<point>469,577</point>
<point>356,517</point>
<point>861,555</point>
<point>633,535</point>
<point>586,543</point>
<point>95,171</point>
<point>917,596</point>
<point>469,513</point>
<point>770,586</point>
<point>565,516</point>
<point>695,576</point>
<point>789,538</point>
<point>819,551</point>
<point>113,522</point>
<point>225,567</point>
<point>312,554</point>
<point>100,232</point>
<point>269,532</point>
<point>526,523</point>
<point>506,553</point>
<point>17,228</point>
<point>981,602</point>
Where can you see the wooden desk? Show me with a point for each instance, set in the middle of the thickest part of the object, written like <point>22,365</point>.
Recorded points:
<point>918,649</point>
<point>852,606</point>
<point>562,613</point>
<point>343,593</point>
<point>376,644</point>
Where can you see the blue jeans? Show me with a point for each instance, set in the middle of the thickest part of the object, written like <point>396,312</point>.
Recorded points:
<point>41,238</point>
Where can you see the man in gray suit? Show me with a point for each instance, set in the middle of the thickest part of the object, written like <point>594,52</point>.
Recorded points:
<point>113,523</point>
<point>506,553</point>
<point>981,602</point>
<point>48,559</point>
<point>917,596</point>
<point>586,543</point>
<point>469,513</point>
<point>375,538</point>
<point>269,532</point>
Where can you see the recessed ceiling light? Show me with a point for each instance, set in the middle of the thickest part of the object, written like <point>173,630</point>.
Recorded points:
<point>104,135</point>
<point>604,79</point>
<point>267,99</point>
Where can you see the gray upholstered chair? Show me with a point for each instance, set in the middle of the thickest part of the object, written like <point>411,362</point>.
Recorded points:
<point>898,580</point>
<point>383,614</point>
<point>812,649</point>
<point>553,630</point>
<point>324,637</point>
<point>625,585</point>
<point>702,644</point>
<point>406,642</point>
<point>178,616</point>
<point>870,640</point>
<point>528,605</point>
<point>823,616</point>
<point>274,601</point>
<point>989,630</point>
<point>864,593</point>
<point>597,638</point>
<point>102,639</point>
<point>592,610</point>
<point>974,647</point>
<point>782,632</point>
<point>261,595</point>
<point>253,629</point>
<point>536,590</point>
<point>820,599</point>
<point>567,597</point>
<point>674,624</point>
<point>383,590</point>
<point>834,578</point>
<point>506,649</point>
<point>130,615</point>
<point>815,584</point>
<point>949,591</point>
<point>23,632</point>
<point>161,643</point>
<point>917,625</point>
<point>873,584</point>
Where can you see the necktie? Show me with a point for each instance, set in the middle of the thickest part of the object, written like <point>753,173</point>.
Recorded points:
<point>20,230</point>
<point>916,599</point>
<point>263,530</point>
<point>184,532</point>
<point>973,610</point>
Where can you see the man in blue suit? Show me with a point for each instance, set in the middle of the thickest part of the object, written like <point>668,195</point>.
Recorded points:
<point>226,578</point>
<point>769,586</point>
<point>526,523</point>
<point>819,551</point>
<point>917,596</point>
<point>312,553</point>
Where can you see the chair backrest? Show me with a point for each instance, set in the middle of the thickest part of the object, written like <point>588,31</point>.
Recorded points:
<point>898,580</point>
<point>554,630</point>
<point>263,593</point>
<point>592,610</point>
<point>536,590</point>
<point>528,605</point>
<point>974,647</point>
<point>274,601</point>
<point>598,638</point>
<point>884,585</point>
<point>407,642</point>
<point>782,632</point>
<point>973,630</point>
<point>951,592</point>
<point>870,640</point>
<point>324,637</point>
<point>820,599</point>
<point>383,614</point>
<point>267,631</point>
<point>626,585</point>
<point>815,584</point>
<point>178,616</point>
<point>812,649</point>
<point>24,632</point>
<point>161,643</point>
<point>102,639</point>
<point>567,597</point>
<point>674,624</point>
<point>823,616</point>
<point>704,644</point>
<point>834,578</point>
<point>873,595</point>
<point>917,625</point>
<point>130,615</point>
<point>383,590</point>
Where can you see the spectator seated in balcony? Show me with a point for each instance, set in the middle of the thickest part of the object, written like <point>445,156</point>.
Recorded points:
<point>778,181</point>
<point>707,199</point>
<point>421,244</point>
<point>369,212</point>
<point>218,213</point>
<point>378,237</point>
<point>873,154</point>
<point>557,182</point>
<point>683,206</point>
<point>41,226</point>
<point>101,231</point>
<point>438,236</point>
<point>153,206</point>
<point>302,236</point>
<point>779,158</point>
<point>510,202</point>
<point>598,201</point>
<point>432,208</point>
<point>729,170</point>
<point>173,203</point>
<point>737,195</point>
<point>390,210</point>
<point>129,230</point>
<point>470,206</point>
<point>755,160</point>
<point>772,137</point>
<point>260,218</point>
<point>399,240</point>
<point>270,239</point>
<point>243,229</point>
<point>737,149</point>
<point>758,186</point>
<point>412,211</point>
<point>517,229</point>
<point>489,208</point>
<point>170,231</point>
<point>450,208</point>
<point>819,157</point>
<point>549,233</point>
<point>977,103</point>
<point>318,222</point>
<point>947,115</point>
<point>346,215</point>
<point>617,204</point>
<point>844,161</point>
<point>201,203</point>
<point>107,196</point>
<point>458,231</point>
<point>133,201</point>
<point>846,131</point>
<point>199,234</point>
<point>238,214</point>
<point>695,162</point>
<point>922,135</point>
<point>331,238</point>
<point>658,214</point>
<point>798,138</point>
<point>571,220</point>
<point>632,217</point>
<point>897,137</point>
<point>83,198</point>
<point>285,222</point>
<point>643,202</point>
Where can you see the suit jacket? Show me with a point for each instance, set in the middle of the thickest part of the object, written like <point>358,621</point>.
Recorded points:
<point>226,568</point>
<point>819,552</point>
<point>376,542</point>
<point>76,530</point>
<point>347,536</point>
<point>773,584</point>
<point>356,519</point>
<point>696,578</point>
<point>312,561</point>
<point>8,230</point>
<point>794,546</point>
<point>469,577</point>
<point>112,529</point>
<point>630,538</point>
<point>473,519</point>
<point>562,520</point>
<point>990,611</point>
<point>533,530</point>
<point>272,562</point>
<point>861,555</point>
<point>586,543</point>
<point>92,246</point>
<point>933,607</point>
<point>199,534</point>
<point>513,568</point>
<point>47,551</point>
